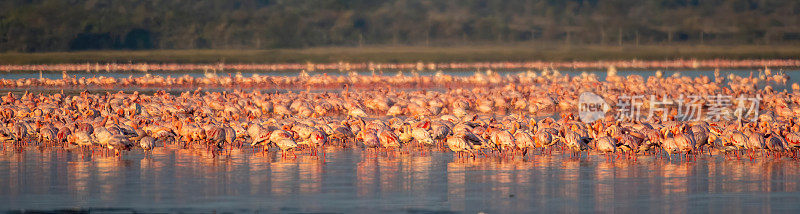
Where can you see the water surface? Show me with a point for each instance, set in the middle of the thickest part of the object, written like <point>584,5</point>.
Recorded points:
<point>179,180</point>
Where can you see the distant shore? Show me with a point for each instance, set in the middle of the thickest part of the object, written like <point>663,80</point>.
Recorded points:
<point>408,55</point>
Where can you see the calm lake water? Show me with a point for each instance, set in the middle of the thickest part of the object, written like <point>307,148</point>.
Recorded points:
<point>172,180</point>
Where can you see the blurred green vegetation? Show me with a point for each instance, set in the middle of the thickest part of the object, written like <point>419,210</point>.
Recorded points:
<point>224,25</point>
<point>389,54</point>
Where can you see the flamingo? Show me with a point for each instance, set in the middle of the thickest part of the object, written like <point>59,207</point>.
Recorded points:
<point>147,143</point>
<point>458,145</point>
<point>606,145</point>
<point>524,141</point>
<point>422,136</point>
<point>284,140</point>
<point>575,142</point>
<point>388,139</point>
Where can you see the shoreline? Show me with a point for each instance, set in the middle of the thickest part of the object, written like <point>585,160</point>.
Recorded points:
<point>513,53</point>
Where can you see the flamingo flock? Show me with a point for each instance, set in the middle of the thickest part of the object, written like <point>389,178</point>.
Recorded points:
<point>481,116</point>
<point>348,66</point>
<point>350,79</point>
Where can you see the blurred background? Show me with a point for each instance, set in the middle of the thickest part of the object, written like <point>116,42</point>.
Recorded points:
<point>74,25</point>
